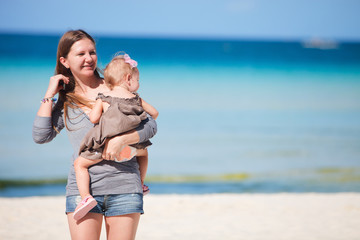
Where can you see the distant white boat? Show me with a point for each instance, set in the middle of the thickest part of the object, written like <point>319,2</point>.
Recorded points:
<point>319,43</point>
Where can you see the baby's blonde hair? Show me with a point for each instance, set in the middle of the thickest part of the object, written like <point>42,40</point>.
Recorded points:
<point>116,70</point>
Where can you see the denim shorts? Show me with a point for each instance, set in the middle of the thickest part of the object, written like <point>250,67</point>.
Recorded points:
<point>111,205</point>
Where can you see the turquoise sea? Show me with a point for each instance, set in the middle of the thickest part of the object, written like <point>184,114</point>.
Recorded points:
<point>235,115</point>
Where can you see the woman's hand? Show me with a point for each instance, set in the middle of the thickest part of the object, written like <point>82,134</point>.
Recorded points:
<point>114,145</point>
<point>55,86</point>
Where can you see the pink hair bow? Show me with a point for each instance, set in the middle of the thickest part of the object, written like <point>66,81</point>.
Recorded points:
<point>130,61</point>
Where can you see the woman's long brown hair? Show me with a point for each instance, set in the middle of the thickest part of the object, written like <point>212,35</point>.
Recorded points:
<point>67,96</point>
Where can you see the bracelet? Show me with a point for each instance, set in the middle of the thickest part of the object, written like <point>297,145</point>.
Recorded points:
<point>44,100</point>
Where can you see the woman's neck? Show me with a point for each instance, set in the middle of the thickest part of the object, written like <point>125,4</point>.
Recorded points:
<point>86,86</point>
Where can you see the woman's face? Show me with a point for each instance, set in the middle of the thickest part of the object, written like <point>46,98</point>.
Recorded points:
<point>81,59</point>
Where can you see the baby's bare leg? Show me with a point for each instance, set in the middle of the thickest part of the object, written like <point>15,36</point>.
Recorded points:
<point>81,166</point>
<point>142,159</point>
<point>141,152</point>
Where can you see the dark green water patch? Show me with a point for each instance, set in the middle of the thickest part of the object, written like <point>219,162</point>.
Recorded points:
<point>4,183</point>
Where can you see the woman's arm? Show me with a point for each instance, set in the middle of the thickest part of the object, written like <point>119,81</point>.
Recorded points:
<point>96,112</point>
<point>48,122</point>
<point>46,128</point>
<point>146,130</point>
<point>150,109</point>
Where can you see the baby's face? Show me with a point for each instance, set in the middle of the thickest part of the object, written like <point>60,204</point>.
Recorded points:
<point>134,82</point>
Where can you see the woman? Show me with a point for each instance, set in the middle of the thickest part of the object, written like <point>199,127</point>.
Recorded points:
<point>116,186</point>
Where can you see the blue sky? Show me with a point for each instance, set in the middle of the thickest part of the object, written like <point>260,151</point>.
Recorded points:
<point>254,19</point>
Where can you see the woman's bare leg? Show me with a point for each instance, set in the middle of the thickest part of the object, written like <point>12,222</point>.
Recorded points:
<point>88,228</point>
<point>122,227</point>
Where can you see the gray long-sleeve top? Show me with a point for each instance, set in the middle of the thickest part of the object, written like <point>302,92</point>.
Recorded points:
<point>106,177</point>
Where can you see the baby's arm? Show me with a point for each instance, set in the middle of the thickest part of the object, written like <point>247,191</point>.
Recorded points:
<point>96,112</point>
<point>149,109</point>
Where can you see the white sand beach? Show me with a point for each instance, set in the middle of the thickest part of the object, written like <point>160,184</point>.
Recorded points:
<point>214,216</point>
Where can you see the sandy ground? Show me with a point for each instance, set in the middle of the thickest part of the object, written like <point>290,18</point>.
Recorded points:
<point>219,216</point>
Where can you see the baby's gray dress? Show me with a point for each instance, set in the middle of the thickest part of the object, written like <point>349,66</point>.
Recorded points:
<point>123,115</point>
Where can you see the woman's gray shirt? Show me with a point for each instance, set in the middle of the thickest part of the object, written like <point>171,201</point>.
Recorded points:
<point>106,177</point>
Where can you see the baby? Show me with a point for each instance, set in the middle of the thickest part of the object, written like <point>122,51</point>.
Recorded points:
<point>117,111</point>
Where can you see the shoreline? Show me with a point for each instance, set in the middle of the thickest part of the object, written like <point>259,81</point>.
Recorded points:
<point>321,180</point>
<point>207,216</point>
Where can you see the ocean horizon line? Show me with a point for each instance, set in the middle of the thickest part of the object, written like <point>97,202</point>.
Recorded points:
<point>302,40</point>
